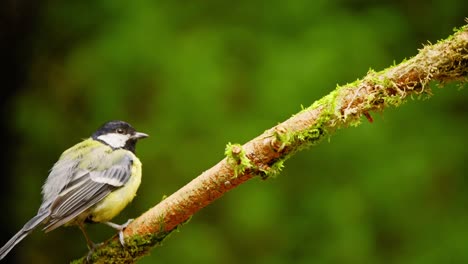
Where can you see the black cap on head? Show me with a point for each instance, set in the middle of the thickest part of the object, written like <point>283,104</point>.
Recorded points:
<point>111,134</point>
<point>115,126</point>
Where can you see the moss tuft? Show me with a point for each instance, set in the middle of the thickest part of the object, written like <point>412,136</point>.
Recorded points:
<point>237,158</point>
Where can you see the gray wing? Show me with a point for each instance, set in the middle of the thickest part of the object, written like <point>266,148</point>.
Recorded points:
<point>86,187</point>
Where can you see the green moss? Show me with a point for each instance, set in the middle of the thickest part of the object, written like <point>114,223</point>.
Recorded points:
<point>292,142</point>
<point>237,158</point>
<point>329,99</point>
<point>282,139</point>
<point>136,247</point>
<point>311,135</point>
<point>275,169</point>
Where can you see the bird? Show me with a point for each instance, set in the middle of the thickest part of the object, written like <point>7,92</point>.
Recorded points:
<point>92,182</point>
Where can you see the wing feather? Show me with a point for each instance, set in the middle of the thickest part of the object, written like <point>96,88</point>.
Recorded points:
<point>78,206</point>
<point>117,175</point>
<point>89,179</point>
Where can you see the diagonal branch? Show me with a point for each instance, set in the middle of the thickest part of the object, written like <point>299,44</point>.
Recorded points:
<point>446,61</point>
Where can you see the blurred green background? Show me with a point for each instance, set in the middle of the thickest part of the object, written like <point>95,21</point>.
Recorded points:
<point>196,75</point>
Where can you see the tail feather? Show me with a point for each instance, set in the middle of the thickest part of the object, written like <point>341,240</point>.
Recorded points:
<point>26,230</point>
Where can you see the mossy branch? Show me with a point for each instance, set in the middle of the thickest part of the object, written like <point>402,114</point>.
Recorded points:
<point>446,61</point>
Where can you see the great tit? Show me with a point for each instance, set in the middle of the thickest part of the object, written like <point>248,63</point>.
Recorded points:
<point>90,183</point>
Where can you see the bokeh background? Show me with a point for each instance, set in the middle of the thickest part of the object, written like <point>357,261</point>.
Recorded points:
<point>197,75</point>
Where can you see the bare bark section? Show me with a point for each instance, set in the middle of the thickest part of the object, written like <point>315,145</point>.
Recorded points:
<point>446,61</point>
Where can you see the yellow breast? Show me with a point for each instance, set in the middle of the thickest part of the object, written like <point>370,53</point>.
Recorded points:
<point>118,199</point>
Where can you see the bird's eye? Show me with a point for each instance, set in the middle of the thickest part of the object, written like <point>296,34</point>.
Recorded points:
<point>120,130</point>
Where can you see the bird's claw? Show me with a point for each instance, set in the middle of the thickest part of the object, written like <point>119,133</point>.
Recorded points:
<point>126,223</point>
<point>120,228</point>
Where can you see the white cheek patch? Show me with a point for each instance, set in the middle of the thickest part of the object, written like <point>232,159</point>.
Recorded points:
<point>114,140</point>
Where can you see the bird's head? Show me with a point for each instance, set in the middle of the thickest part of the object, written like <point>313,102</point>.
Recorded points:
<point>118,134</point>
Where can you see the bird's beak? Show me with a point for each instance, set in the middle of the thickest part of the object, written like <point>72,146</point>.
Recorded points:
<point>139,135</point>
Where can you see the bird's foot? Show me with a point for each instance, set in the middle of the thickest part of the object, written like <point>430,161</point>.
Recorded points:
<point>120,228</point>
